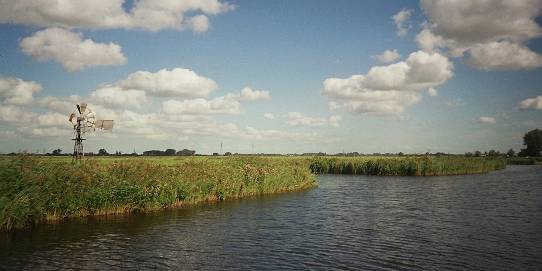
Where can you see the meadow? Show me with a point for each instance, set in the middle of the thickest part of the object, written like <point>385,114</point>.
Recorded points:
<point>37,189</point>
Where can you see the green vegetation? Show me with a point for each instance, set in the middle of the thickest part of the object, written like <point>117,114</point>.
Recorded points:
<point>533,143</point>
<point>34,189</point>
<point>520,161</point>
<point>407,165</point>
<point>44,189</point>
<point>523,160</point>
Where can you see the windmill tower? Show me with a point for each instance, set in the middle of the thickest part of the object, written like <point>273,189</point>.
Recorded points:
<point>84,121</point>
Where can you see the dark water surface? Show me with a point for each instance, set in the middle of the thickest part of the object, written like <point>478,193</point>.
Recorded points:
<point>479,222</point>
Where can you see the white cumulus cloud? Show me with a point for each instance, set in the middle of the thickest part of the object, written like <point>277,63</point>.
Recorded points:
<point>45,131</point>
<point>487,120</point>
<point>63,105</point>
<point>219,105</point>
<point>299,119</point>
<point>116,96</point>
<point>432,92</point>
<point>492,34</point>
<point>52,119</point>
<point>148,15</point>
<point>16,115</point>
<point>248,94</point>
<point>335,121</point>
<point>178,82</point>
<point>389,90</point>
<point>70,50</point>
<point>269,116</point>
<point>401,19</point>
<point>531,103</point>
<point>388,56</point>
<point>199,23</point>
<point>16,91</point>
<point>503,55</point>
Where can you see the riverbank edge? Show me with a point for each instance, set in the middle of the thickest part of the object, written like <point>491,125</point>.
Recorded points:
<point>126,210</point>
<point>418,166</point>
<point>303,168</point>
<point>40,191</point>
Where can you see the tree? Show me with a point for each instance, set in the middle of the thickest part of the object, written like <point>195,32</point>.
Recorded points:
<point>227,153</point>
<point>477,153</point>
<point>102,152</point>
<point>57,152</point>
<point>186,152</point>
<point>170,152</point>
<point>533,141</point>
<point>153,153</point>
<point>511,153</point>
<point>468,154</point>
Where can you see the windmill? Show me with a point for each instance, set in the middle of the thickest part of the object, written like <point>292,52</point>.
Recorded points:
<point>84,121</point>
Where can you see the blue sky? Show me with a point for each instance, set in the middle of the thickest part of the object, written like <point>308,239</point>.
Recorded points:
<point>285,50</point>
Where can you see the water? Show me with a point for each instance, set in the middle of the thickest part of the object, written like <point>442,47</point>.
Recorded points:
<point>480,222</point>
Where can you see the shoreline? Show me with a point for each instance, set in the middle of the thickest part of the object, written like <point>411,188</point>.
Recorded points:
<point>42,190</point>
<point>105,214</point>
<point>34,191</point>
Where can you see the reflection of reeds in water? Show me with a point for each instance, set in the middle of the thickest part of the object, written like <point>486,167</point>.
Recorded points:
<point>406,166</point>
<point>34,189</point>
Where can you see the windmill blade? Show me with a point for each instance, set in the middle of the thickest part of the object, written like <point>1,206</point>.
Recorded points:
<point>83,107</point>
<point>90,117</point>
<point>104,125</point>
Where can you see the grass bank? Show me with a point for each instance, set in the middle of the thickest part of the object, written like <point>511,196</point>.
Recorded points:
<point>34,189</point>
<point>523,160</point>
<point>43,189</point>
<point>406,165</point>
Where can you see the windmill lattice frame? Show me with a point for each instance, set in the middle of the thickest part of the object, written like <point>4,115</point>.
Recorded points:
<point>84,121</point>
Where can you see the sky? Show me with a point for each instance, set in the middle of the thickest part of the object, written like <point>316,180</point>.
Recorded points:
<point>272,76</point>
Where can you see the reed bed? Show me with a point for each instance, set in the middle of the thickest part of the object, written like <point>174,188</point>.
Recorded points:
<point>406,165</point>
<point>522,160</point>
<point>41,189</point>
<point>51,188</point>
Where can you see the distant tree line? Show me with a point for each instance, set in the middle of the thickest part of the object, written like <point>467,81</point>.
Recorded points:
<point>170,152</point>
<point>491,153</point>
<point>532,141</point>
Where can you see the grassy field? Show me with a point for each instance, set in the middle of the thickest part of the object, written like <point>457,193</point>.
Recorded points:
<point>34,189</point>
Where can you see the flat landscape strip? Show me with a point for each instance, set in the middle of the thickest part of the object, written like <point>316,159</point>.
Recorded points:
<point>37,189</point>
